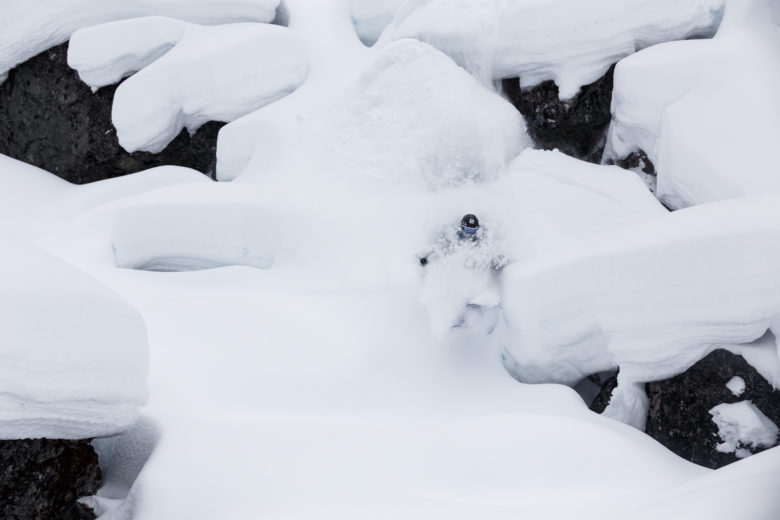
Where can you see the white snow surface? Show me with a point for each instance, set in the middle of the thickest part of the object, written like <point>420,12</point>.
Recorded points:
<point>73,354</point>
<point>736,386</point>
<point>742,426</point>
<point>30,27</point>
<point>316,386</point>
<point>498,39</point>
<point>709,138</point>
<point>372,16</point>
<point>189,74</point>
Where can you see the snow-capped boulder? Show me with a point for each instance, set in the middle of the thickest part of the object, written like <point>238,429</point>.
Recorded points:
<point>27,30</point>
<point>73,354</point>
<point>651,298</point>
<point>52,120</point>
<point>680,407</point>
<point>372,16</point>
<point>415,117</point>
<point>705,112</point>
<point>496,39</point>
<point>189,74</point>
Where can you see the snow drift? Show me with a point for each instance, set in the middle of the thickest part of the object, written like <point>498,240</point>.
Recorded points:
<point>652,298</point>
<point>27,30</point>
<point>73,354</point>
<point>189,74</point>
<point>412,118</point>
<point>497,39</point>
<point>705,112</point>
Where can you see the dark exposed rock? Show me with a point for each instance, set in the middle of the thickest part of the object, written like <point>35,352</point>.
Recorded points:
<point>679,415</point>
<point>41,479</point>
<point>51,119</point>
<point>600,402</point>
<point>636,161</point>
<point>576,127</point>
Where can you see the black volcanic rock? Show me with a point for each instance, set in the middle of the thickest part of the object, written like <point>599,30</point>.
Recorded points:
<point>51,119</point>
<point>41,479</point>
<point>576,127</point>
<point>679,415</point>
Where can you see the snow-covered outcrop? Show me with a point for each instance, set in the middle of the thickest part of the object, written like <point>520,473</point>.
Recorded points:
<point>497,39</point>
<point>416,117</point>
<point>742,428</point>
<point>705,112</point>
<point>652,298</point>
<point>26,30</point>
<point>73,354</point>
<point>189,74</point>
<point>372,16</point>
<point>679,415</point>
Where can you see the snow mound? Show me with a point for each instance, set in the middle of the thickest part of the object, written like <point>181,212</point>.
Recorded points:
<point>415,117</point>
<point>188,234</point>
<point>705,112</point>
<point>372,16</point>
<point>73,354</point>
<point>651,298</point>
<point>27,30</point>
<point>742,426</point>
<point>190,74</point>
<point>497,39</point>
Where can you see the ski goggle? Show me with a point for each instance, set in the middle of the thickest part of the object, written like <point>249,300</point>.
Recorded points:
<point>469,231</point>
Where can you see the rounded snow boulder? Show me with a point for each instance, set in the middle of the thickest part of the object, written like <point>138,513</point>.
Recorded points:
<point>73,354</point>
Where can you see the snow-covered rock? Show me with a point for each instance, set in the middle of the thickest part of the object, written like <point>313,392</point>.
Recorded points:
<point>73,354</point>
<point>651,298</point>
<point>189,74</point>
<point>26,30</point>
<point>497,39</point>
<point>742,427</point>
<point>705,112</point>
<point>679,415</point>
<point>416,117</point>
<point>372,16</point>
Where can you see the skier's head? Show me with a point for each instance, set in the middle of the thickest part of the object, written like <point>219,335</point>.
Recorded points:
<point>469,225</point>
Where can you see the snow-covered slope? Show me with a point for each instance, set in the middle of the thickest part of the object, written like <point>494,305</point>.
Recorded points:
<point>315,386</point>
<point>189,74</point>
<point>705,112</point>
<point>73,354</point>
<point>497,39</point>
<point>27,29</point>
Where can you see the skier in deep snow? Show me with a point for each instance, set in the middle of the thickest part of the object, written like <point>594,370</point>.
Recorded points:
<point>468,238</point>
<point>460,284</point>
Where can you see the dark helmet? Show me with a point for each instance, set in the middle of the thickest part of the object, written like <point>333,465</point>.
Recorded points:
<point>469,225</point>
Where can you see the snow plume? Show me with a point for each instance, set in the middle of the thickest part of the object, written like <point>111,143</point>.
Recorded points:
<point>26,30</point>
<point>191,74</point>
<point>73,354</point>
<point>742,426</point>
<point>705,112</point>
<point>651,298</point>
<point>497,39</point>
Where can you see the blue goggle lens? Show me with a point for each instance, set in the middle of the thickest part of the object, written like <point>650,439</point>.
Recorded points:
<point>469,231</point>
